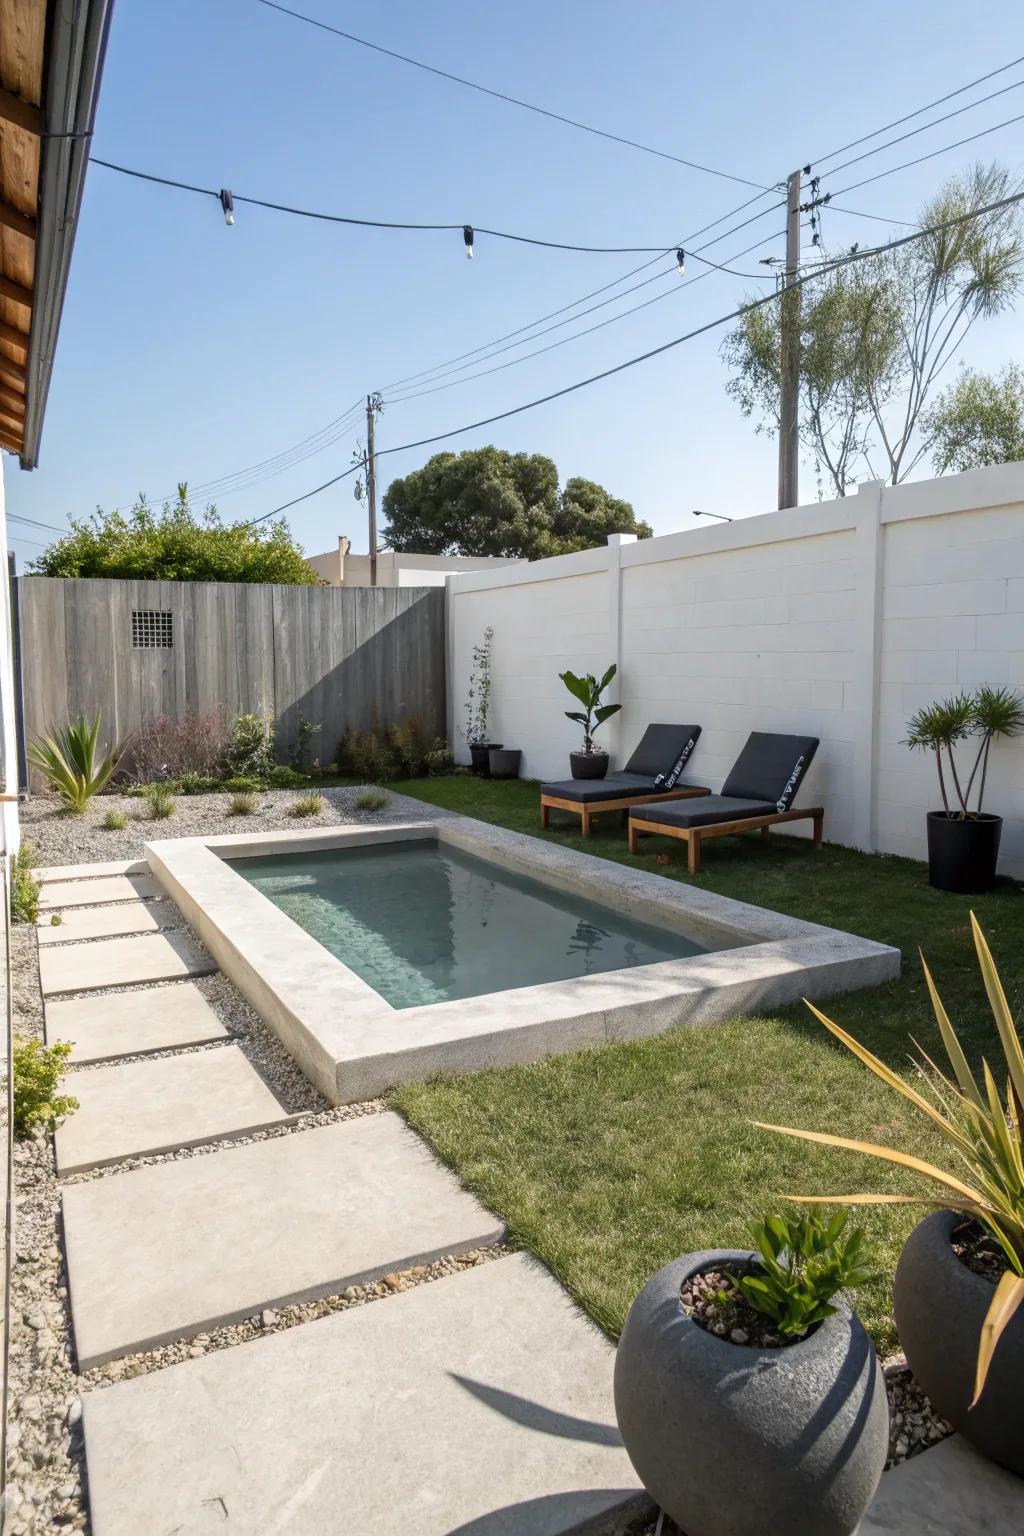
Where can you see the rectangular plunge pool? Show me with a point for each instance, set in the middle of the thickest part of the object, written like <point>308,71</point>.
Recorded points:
<point>427,923</point>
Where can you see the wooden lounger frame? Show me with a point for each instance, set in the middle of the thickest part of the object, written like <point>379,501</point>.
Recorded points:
<point>693,837</point>
<point>588,809</point>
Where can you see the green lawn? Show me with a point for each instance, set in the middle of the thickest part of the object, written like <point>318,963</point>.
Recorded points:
<point>607,1163</point>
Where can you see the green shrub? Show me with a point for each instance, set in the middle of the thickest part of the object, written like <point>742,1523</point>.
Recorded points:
<point>805,1261</point>
<point>25,887</point>
<point>55,919</point>
<point>114,821</point>
<point>160,801</point>
<point>308,805</point>
<point>73,763</point>
<point>283,777</point>
<point>299,754</point>
<point>245,803</point>
<point>440,760</point>
<point>242,783</point>
<point>37,1070</point>
<point>251,753</point>
<point>409,746</point>
<point>190,783</point>
<point>373,800</point>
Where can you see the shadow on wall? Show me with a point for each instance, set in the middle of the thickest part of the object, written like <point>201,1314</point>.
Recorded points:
<point>384,675</point>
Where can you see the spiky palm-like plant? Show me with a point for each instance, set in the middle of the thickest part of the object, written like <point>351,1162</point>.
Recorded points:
<point>73,762</point>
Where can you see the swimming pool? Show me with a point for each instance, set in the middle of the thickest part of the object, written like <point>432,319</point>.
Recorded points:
<point>426,923</point>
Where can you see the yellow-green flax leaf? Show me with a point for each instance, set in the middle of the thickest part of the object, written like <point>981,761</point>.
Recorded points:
<point>1008,1297</point>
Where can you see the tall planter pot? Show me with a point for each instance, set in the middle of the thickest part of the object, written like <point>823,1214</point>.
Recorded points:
<point>732,1440</point>
<point>480,756</point>
<point>962,854</point>
<point>940,1305</point>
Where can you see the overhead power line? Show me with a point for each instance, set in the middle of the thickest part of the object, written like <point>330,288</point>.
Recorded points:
<point>643,357</point>
<point>924,127</point>
<point>16,517</point>
<point>513,101</point>
<point>909,117</point>
<point>906,165</point>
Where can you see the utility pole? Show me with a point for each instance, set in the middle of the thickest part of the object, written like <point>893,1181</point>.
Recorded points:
<point>372,407</point>
<point>789,371</point>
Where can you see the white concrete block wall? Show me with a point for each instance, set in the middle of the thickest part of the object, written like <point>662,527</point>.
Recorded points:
<point>836,620</point>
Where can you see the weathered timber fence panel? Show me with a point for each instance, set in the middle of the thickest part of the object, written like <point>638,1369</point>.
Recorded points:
<point>339,658</point>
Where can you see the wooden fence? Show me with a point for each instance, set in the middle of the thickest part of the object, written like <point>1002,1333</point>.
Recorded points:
<point>136,650</point>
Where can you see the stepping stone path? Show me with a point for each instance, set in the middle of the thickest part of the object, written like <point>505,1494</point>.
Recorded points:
<point>146,1107</point>
<point>479,1401</point>
<point>112,1024</point>
<point>108,922</point>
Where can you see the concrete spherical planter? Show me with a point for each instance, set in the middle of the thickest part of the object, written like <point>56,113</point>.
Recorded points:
<point>940,1305</point>
<point>733,1440</point>
<point>588,765</point>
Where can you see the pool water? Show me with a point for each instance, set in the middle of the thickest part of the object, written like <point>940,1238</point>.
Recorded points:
<point>426,923</point>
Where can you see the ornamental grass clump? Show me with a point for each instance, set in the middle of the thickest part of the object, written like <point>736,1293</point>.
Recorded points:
<point>72,761</point>
<point>804,1263</point>
<point>981,1121</point>
<point>372,800</point>
<point>160,801</point>
<point>243,804</point>
<point>114,821</point>
<point>308,805</point>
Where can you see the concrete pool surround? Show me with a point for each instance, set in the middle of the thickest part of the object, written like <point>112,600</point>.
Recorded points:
<point>353,1044</point>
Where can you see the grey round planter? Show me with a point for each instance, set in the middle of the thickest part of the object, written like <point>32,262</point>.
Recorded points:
<point>940,1305</point>
<point>737,1441</point>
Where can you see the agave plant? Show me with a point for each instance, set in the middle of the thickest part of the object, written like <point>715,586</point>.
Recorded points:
<point>73,761</point>
<point>983,1126</point>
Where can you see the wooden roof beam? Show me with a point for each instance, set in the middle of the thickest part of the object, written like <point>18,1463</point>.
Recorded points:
<point>12,444</point>
<point>14,429</point>
<point>12,374</point>
<point>13,336</point>
<point>10,403</point>
<point>19,222</point>
<point>9,289</point>
<point>21,113</point>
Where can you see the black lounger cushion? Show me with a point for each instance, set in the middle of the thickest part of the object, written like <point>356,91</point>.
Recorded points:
<point>703,811</point>
<point>770,767</point>
<point>662,753</point>
<point>617,786</point>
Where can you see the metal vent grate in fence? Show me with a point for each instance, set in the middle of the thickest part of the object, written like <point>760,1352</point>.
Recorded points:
<point>152,629</point>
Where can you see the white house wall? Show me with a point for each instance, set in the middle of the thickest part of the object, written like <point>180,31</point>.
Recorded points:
<point>838,620</point>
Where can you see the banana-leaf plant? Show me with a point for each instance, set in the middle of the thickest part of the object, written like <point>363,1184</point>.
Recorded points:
<point>73,761</point>
<point>980,716</point>
<point>983,1125</point>
<point>589,691</point>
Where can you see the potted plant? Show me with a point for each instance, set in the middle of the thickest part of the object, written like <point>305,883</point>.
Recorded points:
<point>959,1296</point>
<point>748,1395</point>
<point>503,762</point>
<point>591,762</point>
<point>478,704</point>
<point>963,844</point>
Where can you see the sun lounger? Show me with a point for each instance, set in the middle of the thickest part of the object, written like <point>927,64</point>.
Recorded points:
<point>758,793</point>
<point>652,774</point>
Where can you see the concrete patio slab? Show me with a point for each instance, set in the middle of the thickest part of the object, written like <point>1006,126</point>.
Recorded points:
<point>168,1250</point>
<point>138,1108</point>
<point>114,1024</point>
<point>947,1491</point>
<point>480,1404</point>
<point>120,962</point>
<point>82,893</point>
<point>93,871</point>
<point>108,922</point>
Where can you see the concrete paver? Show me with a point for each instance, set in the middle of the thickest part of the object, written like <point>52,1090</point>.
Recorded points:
<point>112,1024</point>
<point>138,1108</point>
<point>947,1491</point>
<point>479,1404</point>
<point>85,893</point>
<point>93,871</point>
<point>168,1250</point>
<point>107,922</point>
<point>120,962</point>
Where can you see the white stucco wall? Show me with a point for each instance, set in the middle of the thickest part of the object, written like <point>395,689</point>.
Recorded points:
<point>838,619</point>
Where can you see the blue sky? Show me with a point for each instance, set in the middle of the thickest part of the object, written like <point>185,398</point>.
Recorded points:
<point>190,351</point>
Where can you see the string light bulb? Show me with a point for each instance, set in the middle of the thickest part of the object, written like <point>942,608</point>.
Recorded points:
<point>227,202</point>
<point>681,261</point>
<point>467,235</point>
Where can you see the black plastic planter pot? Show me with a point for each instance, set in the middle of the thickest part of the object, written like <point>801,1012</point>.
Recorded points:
<point>962,855</point>
<point>504,762</point>
<point>588,765</point>
<point>940,1305</point>
<point>733,1440</point>
<point>480,755</point>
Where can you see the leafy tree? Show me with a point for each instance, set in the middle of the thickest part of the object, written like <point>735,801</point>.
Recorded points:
<point>487,501</point>
<point>978,420</point>
<point>875,336</point>
<point>175,545</point>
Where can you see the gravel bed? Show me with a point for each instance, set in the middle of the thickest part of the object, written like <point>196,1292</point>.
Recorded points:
<point>60,837</point>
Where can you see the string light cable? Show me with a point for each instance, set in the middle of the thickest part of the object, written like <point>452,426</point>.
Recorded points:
<point>643,357</point>
<point>514,101</point>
